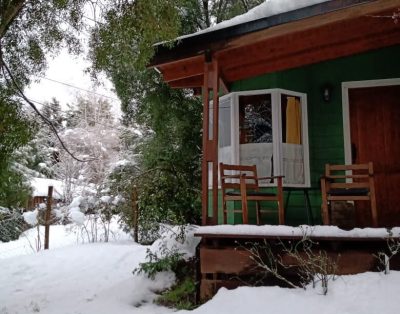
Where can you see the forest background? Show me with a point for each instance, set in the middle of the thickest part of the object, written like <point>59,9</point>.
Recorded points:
<point>155,146</point>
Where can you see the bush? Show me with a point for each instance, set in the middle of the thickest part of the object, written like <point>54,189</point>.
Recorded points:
<point>171,258</point>
<point>156,264</point>
<point>11,225</point>
<point>181,296</point>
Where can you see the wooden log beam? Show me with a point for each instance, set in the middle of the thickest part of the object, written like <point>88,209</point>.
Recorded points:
<point>204,161</point>
<point>210,141</point>
<point>291,43</point>
<point>311,56</point>
<point>224,84</point>
<point>302,48</point>
<point>374,8</point>
<point>215,90</point>
<point>189,82</point>
<point>183,69</point>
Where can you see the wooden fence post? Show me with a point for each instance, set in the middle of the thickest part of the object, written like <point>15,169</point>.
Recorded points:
<point>47,218</point>
<point>135,208</point>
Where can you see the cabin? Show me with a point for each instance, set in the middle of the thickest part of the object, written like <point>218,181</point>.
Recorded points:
<point>291,90</point>
<point>40,187</point>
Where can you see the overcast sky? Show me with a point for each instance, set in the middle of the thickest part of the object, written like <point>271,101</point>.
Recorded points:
<point>70,70</point>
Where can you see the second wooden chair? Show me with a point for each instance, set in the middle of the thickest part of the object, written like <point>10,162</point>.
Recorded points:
<point>355,185</point>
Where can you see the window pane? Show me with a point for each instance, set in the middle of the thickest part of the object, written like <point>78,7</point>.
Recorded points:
<point>291,119</point>
<point>292,148</point>
<point>224,138</point>
<point>255,129</point>
<point>210,121</point>
<point>225,153</point>
<point>255,119</point>
<point>225,122</point>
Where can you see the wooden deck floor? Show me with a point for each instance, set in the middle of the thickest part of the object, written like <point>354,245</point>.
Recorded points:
<point>225,259</point>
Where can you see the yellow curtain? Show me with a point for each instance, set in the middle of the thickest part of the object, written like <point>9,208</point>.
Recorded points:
<point>293,121</point>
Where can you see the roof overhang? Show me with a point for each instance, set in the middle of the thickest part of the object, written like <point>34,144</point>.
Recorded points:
<point>305,36</point>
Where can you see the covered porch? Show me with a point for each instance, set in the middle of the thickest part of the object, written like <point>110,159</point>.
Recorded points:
<point>319,56</point>
<point>336,64</point>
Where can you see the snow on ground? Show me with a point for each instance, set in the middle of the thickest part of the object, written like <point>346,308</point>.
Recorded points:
<point>367,293</point>
<point>90,278</point>
<point>74,277</point>
<point>60,236</point>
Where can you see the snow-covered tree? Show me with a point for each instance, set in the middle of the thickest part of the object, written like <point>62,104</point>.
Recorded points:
<point>92,133</point>
<point>39,156</point>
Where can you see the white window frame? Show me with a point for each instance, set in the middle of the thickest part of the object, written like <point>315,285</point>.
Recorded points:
<point>276,129</point>
<point>304,135</point>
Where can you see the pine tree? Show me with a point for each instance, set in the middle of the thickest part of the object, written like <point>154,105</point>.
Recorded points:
<point>14,133</point>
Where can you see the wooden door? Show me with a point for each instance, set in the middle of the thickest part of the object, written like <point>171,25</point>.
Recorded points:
<point>375,136</point>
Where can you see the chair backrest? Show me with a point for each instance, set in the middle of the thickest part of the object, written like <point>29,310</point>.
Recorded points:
<point>230,176</point>
<point>361,176</point>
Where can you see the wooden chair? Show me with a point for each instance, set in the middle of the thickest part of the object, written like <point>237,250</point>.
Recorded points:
<point>240,183</point>
<point>335,187</point>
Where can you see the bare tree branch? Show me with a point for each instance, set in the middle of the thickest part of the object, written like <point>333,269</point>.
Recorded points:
<point>31,104</point>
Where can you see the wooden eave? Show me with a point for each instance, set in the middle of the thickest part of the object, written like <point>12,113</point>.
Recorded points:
<point>336,33</point>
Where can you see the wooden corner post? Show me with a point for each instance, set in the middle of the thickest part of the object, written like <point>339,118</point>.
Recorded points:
<point>210,139</point>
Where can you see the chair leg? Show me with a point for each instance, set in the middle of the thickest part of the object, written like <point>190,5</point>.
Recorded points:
<point>245,218</point>
<point>281,212</point>
<point>372,197</point>
<point>325,212</point>
<point>243,193</point>
<point>225,211</point>
<point>258,213</point>
<point>324,206</point>
<point>281,208</point>
<point>374,212</point>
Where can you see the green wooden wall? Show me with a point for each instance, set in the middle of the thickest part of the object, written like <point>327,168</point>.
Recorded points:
<point>324,119</point>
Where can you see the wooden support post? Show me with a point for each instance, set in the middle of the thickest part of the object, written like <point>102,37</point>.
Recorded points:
<point>204,161</point>
<point>215,89</point>
<point>135,219</point>
<point>210,141</point>
<point>47,218</point>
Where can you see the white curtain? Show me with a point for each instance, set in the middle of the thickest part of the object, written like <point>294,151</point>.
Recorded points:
<point>293,163</point>
<point>259,154</point>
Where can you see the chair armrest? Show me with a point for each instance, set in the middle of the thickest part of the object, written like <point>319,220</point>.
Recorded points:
<point>271,177</point>
<point>231,176</point>
<point>329,179</point>
<point>354,176</point>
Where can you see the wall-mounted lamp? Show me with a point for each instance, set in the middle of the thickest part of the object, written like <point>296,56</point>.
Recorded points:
<point>326,92</point>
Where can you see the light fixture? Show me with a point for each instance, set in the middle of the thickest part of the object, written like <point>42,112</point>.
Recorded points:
<point>327,92</point>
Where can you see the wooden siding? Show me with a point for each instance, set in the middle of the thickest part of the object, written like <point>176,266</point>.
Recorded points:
<point>325,119</point>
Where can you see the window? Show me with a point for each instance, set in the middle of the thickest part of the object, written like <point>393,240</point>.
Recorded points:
<point>267,128</point>
<point>255,132</point>
<point>292,153</point>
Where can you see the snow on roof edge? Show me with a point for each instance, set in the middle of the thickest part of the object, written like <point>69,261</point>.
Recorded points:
<point>266,9</point>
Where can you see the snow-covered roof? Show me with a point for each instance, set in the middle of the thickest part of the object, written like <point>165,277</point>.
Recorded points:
<point>266,9</point>
<point>40,187</point>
